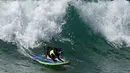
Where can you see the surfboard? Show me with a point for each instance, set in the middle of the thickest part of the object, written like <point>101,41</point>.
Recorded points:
<point>44,61</point>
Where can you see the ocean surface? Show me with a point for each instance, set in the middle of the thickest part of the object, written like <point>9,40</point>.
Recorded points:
<point>94,35</point>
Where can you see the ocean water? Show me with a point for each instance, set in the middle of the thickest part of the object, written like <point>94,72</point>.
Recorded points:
<point>94,35</point>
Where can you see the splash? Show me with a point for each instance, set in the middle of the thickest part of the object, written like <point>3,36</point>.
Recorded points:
<point>27,22</point>
<point>110,18</point>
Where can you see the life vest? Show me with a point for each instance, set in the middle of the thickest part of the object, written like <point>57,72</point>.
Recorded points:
<point>52,52</point>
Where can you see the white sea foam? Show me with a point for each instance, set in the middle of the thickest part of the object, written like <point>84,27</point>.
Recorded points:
<point>110,18</point>
<point>29,22</point>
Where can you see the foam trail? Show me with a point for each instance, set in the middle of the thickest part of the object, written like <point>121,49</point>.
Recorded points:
<point>110,18</point>
<point>29,22</point>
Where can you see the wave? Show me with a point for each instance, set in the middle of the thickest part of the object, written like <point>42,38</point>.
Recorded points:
<point>109,18</point>
<point>86,32</point>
